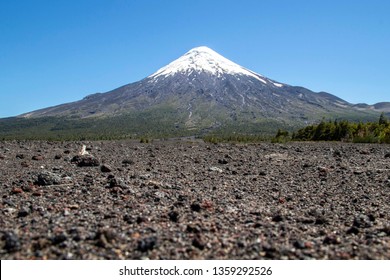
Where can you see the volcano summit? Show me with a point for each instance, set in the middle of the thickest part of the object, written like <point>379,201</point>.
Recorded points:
<point>203,91</point>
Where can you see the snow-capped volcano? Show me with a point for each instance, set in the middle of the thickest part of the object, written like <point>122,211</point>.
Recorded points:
<point>204,59</point>
<point>202,90</point>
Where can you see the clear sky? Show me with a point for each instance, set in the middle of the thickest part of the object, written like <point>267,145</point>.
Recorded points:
<point>52,52</point>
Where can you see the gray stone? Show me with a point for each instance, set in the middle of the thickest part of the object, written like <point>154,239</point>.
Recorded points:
<point>46,178</point>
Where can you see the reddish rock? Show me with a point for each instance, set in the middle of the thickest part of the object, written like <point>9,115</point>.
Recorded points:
<point>16,190</point>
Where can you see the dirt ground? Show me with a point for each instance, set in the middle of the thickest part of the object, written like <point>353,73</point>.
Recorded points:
<point>194,200</point>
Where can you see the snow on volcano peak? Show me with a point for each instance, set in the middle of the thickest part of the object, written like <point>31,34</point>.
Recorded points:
<point>205,59</point>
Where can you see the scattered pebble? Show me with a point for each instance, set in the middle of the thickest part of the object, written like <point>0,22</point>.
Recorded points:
<point>191,200</point>
<point>11,242</point>
<point>147,244</point>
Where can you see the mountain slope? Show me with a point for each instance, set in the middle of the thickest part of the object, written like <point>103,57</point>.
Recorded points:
<point>202,90</point>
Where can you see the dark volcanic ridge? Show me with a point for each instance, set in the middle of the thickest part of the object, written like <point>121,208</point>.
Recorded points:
<point>203,91</point>
<point>192,200</point>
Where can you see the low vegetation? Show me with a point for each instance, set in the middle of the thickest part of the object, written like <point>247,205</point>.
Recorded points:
<point>139,126</point>
<point>370,132</point>
<point>343,130</point>
<point>146,127</point>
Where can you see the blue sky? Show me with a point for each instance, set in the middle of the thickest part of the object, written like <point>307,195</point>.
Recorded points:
<point>53,52</point>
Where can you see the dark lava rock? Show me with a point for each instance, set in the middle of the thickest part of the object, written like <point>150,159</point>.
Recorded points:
<point>337,153</point>
<point>75,234</point>
<point>363,221</point>
<point>195,207</point>
<point>57,156</point>
<point>277,218</point>
<point>222,161</point>
<point>116,182</point>
<point>193,229</point>
<point>38,157</point>
<point>141,220</point>
<point>20,156</point>
<point>387,155</point>
<point>198,243</point>
<point>173,216</point>
<point>85,160</point>
<point>299,244</point>
<point>270,251</point>
<point>11,242</point>
<point>353,230</point>
<point>127,162</point>
<point>321,220</point>
<point>59,238</point>
<point>128,219</point>
<point>24,212</point>
<point>332,240</point>
<point>46,178</point>
<point>147,244</point>
<point>105,168</point>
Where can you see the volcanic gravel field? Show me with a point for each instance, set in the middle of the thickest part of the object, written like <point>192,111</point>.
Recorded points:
<point>193,200</point>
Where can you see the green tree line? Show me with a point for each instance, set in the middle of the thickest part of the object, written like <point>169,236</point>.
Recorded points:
<point>370,132</point>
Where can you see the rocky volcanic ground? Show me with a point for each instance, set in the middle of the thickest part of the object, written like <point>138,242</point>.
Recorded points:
<point>193,200</point>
